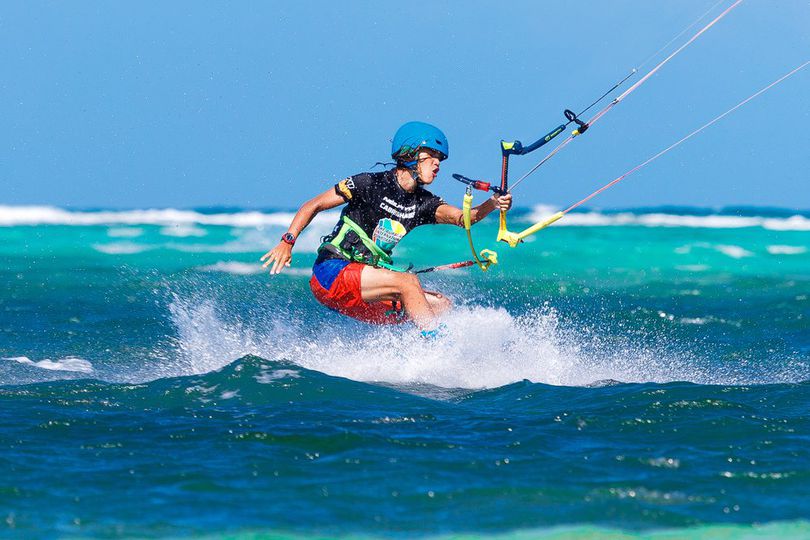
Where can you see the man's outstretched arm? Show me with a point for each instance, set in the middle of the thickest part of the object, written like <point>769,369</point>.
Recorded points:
<point>281,255</point>
<point>454,216</point>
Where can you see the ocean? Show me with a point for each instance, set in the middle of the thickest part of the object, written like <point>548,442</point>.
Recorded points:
<point>634,373</point>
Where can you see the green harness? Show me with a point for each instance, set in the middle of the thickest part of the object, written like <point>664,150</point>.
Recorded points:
<point>345,243</point>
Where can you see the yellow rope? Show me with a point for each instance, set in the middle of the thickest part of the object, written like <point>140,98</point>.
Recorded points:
<point>487,256</point>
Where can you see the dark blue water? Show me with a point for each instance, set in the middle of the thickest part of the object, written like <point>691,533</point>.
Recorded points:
<point>269,445</point>
<point>638,374</point>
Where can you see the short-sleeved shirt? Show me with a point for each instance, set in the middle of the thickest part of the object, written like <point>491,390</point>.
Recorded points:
<point>385,211</point>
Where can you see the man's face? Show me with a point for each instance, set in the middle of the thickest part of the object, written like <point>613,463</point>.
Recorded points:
<point>428,165</point>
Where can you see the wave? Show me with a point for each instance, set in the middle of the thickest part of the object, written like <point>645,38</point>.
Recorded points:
<point>786,250</point>
<point>124,232</point>
<point>256,381</point>
<point>233,267</point>
<point>167,217</point>
<point>121,248</point>
<point>182,231</point>
<point>484,348</point>
<point>643,218</point>
<point>286,425</point>
<point>69,363</point>
<point>247,380</point>
<point>729,531</point>
<point>237,268</point>
<point>181,223</point>
<point>730,250</point>
<point>244,240</point>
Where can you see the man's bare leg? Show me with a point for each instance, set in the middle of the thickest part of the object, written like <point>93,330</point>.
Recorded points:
<point>439,303</point>
<point>378,284</point>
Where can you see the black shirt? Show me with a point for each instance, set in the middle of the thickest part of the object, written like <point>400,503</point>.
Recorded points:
<point>385,211</point>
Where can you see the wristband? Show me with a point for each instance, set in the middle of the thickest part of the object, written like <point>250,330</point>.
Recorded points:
<point>288,238</point>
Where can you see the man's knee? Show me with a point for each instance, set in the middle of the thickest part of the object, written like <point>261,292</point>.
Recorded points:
<point>439,302</point>
<point>407,282</point>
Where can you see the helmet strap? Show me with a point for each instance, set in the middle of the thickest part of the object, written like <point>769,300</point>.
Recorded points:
<point>413,167</point>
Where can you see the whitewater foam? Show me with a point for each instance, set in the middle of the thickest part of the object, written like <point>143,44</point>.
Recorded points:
<point>69,363</point>
<point>735,252</point>
<point>182,231</point>
<point>124,232</point>
<point>258,241</point>
<point>660,219</point>
<point>49,215</point>
<point>501,350</point>
<point>172,217</point>
<point>730,250</point>
<point>693,267</point>
<point>233,267</point>
<point>205,342</point>
<point>121,248</point>
<point>786,250</point>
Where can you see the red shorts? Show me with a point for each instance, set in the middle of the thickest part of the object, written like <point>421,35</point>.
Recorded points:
<point>344,296</point>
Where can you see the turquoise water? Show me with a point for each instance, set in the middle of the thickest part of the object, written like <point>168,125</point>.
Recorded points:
<point>631,374</point>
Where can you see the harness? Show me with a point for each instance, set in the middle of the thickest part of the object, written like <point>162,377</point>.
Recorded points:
<point>353,244</point>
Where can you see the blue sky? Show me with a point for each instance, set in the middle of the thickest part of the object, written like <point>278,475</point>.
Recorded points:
<point>265,104</point>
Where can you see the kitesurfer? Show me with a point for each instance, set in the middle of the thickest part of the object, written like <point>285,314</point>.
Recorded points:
<point>354,273</point>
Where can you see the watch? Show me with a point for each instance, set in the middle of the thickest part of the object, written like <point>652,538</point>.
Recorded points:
<point>288,238</point>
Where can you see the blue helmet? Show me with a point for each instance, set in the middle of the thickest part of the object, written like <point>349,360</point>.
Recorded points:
<point>415,135</point>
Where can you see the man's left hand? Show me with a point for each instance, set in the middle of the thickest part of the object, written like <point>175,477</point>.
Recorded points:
<point>503,202</point>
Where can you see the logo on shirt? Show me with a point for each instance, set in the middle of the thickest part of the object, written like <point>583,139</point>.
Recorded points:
<point>388,233</point>
<point>346,186</point>
<point>395,209</point>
